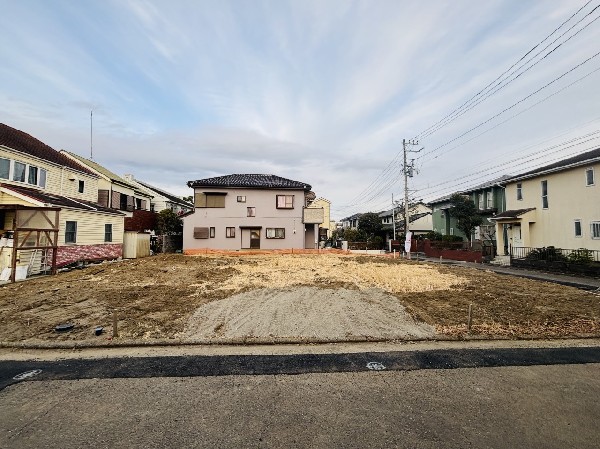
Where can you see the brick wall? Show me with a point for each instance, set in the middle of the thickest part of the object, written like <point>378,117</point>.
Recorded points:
<point>89,253</point>
<point>142,220</point>
<point>452,254</point>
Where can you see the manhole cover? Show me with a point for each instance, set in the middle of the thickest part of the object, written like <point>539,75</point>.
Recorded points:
<point>27,374</point>
<point>375,366</point>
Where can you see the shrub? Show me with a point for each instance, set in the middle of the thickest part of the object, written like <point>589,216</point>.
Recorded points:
<point>581,255</point>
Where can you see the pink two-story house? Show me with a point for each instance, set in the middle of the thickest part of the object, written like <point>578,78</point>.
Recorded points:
<point>251,211</point>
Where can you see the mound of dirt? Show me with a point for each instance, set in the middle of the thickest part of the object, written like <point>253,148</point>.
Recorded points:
<point>304,314</point>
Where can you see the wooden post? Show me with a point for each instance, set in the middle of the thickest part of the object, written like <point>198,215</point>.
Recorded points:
<point>115,332</point>
<point>470,318</point>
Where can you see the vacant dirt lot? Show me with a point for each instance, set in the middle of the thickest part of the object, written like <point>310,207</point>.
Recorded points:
<point>287,297</point>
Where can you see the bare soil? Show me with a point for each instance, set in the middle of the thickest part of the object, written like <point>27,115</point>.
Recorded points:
<point>293,296</point>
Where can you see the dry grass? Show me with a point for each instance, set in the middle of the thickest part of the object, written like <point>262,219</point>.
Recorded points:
<point>157,296</point>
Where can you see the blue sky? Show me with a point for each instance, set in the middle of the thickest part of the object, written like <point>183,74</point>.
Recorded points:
<point>317,91</point>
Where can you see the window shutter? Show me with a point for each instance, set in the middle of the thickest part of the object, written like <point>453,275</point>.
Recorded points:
<point>116,200</point>
<point>199,199</point>
<point>103,198</point>
<point>130,203</point>
<point>201,233</point>
<point>143,204</point>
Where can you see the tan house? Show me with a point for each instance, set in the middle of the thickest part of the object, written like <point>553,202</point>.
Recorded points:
<point>49,215</point>
<point>161,199</point>
<point>325,229</point>
<point>251,211</point>
<point>555,205</point>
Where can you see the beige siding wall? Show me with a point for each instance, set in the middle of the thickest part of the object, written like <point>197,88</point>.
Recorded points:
<point>5,198</point>
<point>90,227</point>
<point>569,199</point>
<point>234,214</point>
<point>59,180</point>
<point>326,205</point>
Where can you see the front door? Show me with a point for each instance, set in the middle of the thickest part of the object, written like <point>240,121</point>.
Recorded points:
<point>517,241</point>
<point>255,238</point>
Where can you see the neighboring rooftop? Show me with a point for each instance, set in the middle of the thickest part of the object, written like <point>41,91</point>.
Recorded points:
<point>25,143</point>
<point>172,198</point>
<point>252,181</point>
<point>574,161</point>
<point>98,168</point>
<point>487,184</point>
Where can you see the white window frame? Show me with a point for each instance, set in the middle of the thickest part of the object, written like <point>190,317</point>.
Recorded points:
<point>587,180</point>
<point>251,211</point>
<point>275,233</point>
<point>575,223</point>
<point>545,203</point>
<point>595,230</point>
<point>40,178</point>
<point>241,198</point>
<point>480,201</point>
<point>490,199</point>
<point>229,232</point>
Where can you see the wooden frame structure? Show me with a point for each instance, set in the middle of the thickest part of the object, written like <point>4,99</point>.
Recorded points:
<point>33,228</point>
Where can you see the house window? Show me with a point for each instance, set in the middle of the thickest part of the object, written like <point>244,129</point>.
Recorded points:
<point>490,199</point>
<point>19,172</point>
<point>209,199</point>
<point>71,232</point>
<point>285,201</point>
<point>595,225</point>
<point>200,233</point>
<point>108,232</point>
<point>251,211</point>
<point>138,204</point>
<point>42,178</point>
<point>519,191</point>
<point>32,176</point>
<point>451,231</point>
<point>481,201</point>
<point>275,233</point>
<point>212,233</point>
<point>4,168</point>
<point>241,199</point>
<point>589,176</point>
<point>544,194</point>
<point>230,233</point>
<point>578,232</point>
<point>81,186</point>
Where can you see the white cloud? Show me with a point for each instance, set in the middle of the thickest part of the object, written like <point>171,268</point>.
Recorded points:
<point>322,92</point>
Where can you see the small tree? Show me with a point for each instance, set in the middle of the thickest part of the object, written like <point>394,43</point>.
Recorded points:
<point>465,212</point>
<point>369,225</point>
<point>168,223</point>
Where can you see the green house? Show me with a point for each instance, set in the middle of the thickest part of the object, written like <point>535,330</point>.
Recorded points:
<point>489,200</point>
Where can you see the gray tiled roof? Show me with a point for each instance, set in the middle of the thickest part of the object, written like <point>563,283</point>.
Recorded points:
<point>252,181</point>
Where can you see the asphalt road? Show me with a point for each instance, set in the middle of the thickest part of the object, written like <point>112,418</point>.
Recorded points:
<point>451,398</point>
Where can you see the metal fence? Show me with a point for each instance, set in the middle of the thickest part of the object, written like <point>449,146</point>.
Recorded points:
<point>559,255</point>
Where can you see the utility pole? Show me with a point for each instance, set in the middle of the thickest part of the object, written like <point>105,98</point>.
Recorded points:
<point>408,172</point>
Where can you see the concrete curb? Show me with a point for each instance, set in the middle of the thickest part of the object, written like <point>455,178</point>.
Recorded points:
<point>256,341</point>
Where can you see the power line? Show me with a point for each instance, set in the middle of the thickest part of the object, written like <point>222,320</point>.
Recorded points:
<point>513,105</point>
<point>448,118</point>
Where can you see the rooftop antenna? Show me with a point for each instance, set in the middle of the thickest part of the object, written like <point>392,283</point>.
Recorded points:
<point>91,138</point>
